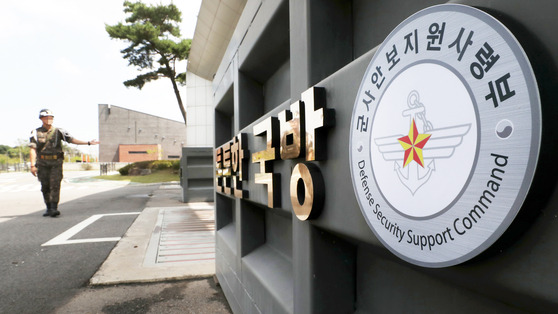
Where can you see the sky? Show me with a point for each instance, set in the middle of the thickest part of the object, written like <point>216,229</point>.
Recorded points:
<point>57,55</point>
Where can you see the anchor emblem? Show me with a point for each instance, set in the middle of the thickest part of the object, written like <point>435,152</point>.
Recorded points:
<point>414,155</point>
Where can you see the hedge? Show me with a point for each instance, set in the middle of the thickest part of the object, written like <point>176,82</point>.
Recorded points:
<point>152,164</point>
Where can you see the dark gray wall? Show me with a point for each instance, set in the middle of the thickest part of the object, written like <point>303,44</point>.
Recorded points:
<point>268,261</point>
<point>196,174</point>
<point>124,126</point>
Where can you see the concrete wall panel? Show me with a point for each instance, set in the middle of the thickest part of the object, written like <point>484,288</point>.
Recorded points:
<point>269,261</point>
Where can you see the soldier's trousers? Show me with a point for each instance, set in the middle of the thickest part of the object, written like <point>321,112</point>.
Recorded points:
<point>50,178</point>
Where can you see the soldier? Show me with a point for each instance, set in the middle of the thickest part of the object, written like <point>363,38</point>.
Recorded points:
<point>47,157</point>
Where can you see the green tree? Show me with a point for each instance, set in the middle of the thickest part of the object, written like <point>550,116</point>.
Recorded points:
<point>4,149</point>
<point>20,152</point>
<point>71,152</point>
<point>153,33</point>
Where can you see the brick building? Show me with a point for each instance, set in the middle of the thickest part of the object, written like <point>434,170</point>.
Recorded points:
<point>130,136</point>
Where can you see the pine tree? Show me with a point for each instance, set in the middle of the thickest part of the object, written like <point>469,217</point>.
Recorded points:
<point>155,45</point>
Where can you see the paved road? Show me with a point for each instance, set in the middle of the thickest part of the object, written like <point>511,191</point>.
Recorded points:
<point>46,263</point>
<point>20,192</point>
<point>38,279</point>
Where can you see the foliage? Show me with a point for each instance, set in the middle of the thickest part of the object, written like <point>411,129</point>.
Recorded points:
<point>125,170</point>
<point>72,152</point>
<point>15,154</point>
<point>165,175</point>
<point>151,165</point>
<point>150,31</point>
<point>167,164</point>
<point>4,149</point>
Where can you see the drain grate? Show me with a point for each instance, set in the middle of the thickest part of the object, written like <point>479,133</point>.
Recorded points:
<point>183,235</point>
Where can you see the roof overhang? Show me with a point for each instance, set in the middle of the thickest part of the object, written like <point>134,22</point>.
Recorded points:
<point>217,21</point>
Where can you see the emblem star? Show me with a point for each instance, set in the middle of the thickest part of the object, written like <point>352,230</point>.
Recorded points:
<point>413,145</point>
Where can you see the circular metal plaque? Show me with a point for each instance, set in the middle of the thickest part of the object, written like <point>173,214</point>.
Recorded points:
<point>445,135</point>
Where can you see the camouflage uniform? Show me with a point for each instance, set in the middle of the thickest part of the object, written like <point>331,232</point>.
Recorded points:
<point>50,158</point>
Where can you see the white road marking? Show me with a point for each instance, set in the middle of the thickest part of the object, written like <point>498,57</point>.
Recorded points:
<point>64,238</point>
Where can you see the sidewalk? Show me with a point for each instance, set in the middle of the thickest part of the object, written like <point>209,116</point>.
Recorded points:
<point>170,240</point>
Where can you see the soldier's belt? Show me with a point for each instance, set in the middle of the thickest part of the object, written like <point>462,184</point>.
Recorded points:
<point>51,157</point>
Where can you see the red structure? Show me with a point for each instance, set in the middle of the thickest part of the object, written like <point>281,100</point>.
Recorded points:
<point>139,152</point>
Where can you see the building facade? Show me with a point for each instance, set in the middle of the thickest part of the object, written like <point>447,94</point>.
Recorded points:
<point>199,105</point>
<point>130,136</point>
<point>305,225</point>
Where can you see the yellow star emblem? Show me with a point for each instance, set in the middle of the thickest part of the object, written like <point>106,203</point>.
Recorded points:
<point>413,145</point>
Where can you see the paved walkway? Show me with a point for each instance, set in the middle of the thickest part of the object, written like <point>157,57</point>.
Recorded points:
<point>169,240</point>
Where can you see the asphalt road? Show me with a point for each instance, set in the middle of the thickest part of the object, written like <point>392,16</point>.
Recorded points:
<point>38,279</point>
<point>20,192</point>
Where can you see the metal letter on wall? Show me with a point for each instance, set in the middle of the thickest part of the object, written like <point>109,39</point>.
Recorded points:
<point>307,191</point>
<point>239,161</point>
<point>219,169</point>
<point>269,127</point>
<point>316,120</point>
<point>291,131</point>
<point>290,136</point>
<point>227,174</point>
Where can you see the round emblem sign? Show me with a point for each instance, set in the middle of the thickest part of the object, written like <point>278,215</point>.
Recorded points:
<point>445,135</point>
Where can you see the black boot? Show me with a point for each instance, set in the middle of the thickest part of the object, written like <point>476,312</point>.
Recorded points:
<point>54,210</point>
<point>48,211</point>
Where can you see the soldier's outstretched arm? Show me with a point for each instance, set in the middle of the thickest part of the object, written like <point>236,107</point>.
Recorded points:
<point>78,142</point>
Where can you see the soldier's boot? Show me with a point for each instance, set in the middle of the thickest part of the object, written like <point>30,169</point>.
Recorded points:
<point>48,211</point>
<point>54,208</point>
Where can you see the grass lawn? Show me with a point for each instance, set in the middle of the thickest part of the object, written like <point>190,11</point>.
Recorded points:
<point>165,175</point>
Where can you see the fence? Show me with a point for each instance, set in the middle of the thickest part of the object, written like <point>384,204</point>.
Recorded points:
<point>104,168</point>
<point>14,167</point>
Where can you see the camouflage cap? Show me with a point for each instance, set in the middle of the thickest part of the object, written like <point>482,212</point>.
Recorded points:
<point>46,113</point>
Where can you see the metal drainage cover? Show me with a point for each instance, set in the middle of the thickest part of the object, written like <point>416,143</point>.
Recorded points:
<point>183,235</point>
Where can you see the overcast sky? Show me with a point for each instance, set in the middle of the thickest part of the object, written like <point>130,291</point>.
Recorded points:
<point>56,54</point>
